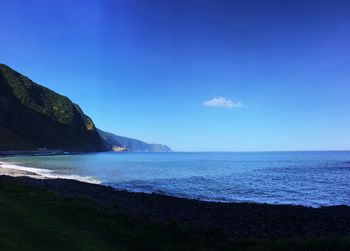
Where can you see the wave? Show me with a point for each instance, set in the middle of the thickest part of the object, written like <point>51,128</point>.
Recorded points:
<point>190,188</point>
<point>46,173</point>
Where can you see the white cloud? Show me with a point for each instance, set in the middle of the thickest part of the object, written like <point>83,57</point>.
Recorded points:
<point>223,102</point>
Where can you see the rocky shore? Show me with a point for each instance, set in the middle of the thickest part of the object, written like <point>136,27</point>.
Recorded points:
<point>18,173</point>
<point>233,220</point>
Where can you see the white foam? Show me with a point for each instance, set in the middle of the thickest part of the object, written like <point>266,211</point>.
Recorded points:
<point>46,173</point>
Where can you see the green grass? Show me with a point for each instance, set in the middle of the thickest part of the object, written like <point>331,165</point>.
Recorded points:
<point>35,219</point>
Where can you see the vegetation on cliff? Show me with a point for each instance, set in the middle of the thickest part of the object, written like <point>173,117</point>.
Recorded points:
<point>32,117</point>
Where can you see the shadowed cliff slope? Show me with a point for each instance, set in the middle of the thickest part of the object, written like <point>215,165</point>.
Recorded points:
<point>32,117</point>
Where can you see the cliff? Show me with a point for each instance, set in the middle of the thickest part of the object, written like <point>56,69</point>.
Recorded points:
<point>33,117</point>
<point>111,141</point>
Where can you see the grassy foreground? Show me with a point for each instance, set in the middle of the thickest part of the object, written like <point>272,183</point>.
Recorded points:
<point>32,218</point>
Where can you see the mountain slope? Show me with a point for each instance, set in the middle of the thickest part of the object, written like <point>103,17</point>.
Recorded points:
<point>111,140</point>
<point>32,117</point>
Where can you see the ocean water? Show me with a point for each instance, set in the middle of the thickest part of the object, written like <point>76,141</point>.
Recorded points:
<point>299,178</point>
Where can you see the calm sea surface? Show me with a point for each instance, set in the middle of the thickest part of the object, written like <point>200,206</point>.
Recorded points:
<point>303,178</point>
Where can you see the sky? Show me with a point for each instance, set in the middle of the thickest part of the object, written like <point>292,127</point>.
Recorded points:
<point>197,75</point>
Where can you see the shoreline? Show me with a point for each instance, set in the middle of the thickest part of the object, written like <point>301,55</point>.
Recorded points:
<point>14,170</point>
<point>235,220</point>
<point>32,152</point>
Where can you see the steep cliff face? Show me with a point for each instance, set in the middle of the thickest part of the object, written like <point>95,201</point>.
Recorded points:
<point>112,141</point>
<point>32,117</point>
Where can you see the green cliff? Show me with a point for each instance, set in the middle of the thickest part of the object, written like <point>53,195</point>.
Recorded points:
<point>32,117</point>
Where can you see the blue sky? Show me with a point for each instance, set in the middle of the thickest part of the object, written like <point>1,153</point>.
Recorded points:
<point>197,75</point>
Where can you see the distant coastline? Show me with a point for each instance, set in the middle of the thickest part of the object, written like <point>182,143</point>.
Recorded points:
<point>33,152</point>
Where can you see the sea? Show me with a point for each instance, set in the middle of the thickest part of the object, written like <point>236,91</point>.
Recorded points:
<point>311,179</point>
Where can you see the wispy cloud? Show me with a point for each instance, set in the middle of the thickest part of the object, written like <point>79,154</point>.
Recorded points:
<point>223,102</point>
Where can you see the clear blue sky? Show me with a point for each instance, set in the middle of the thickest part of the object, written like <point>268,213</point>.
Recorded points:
<point>151,69</point>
